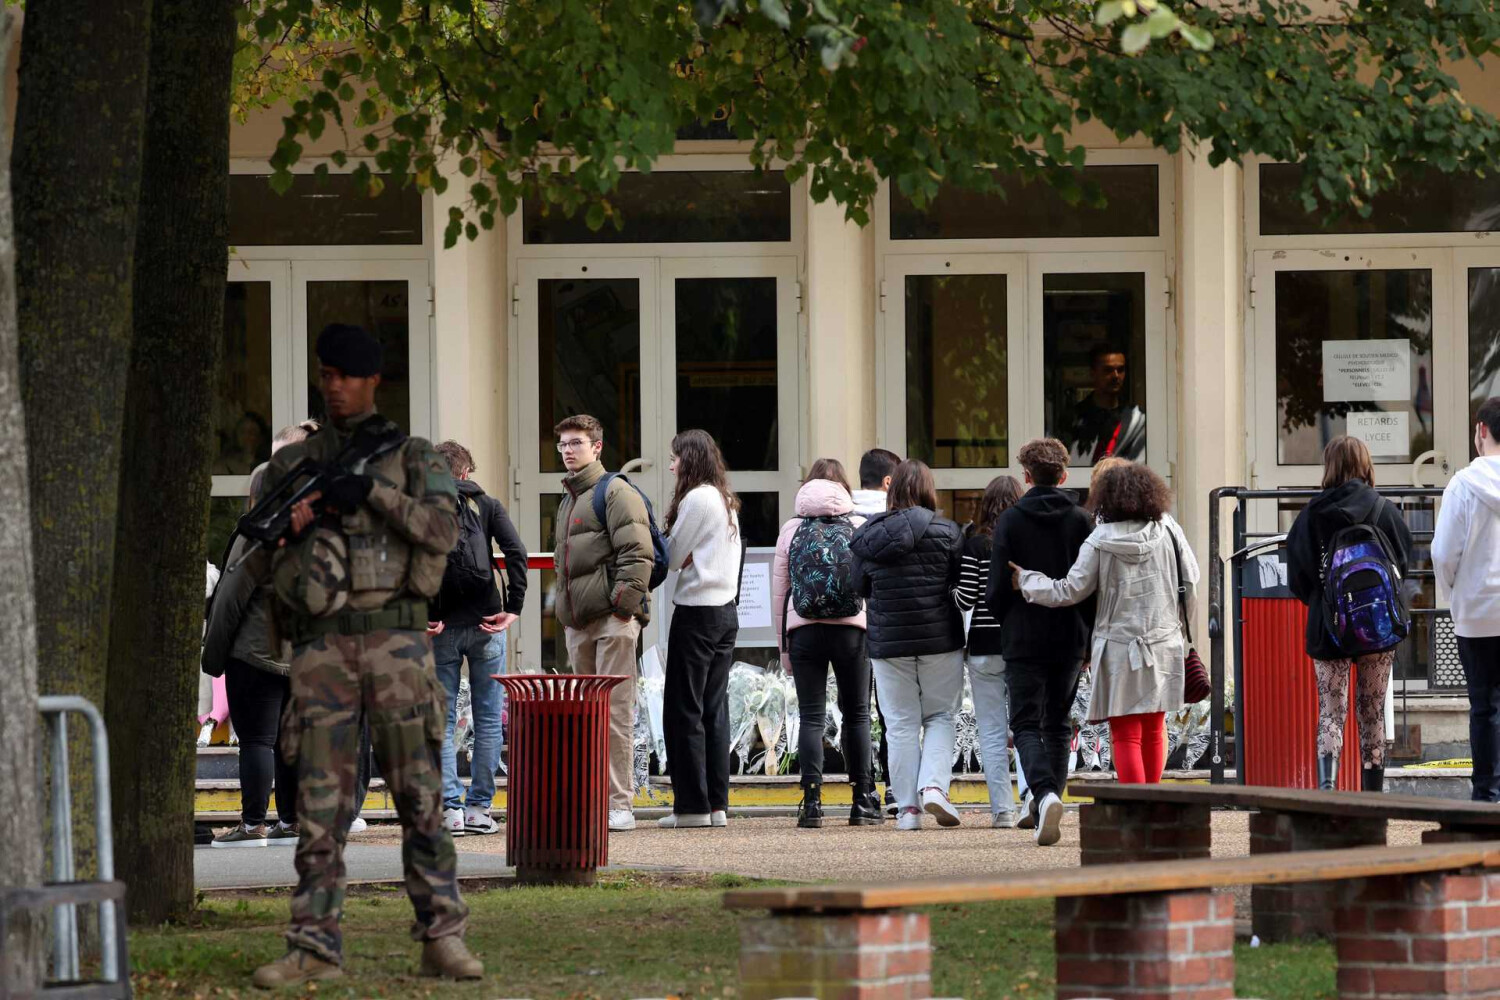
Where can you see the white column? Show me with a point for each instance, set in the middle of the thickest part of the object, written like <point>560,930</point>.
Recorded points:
<point>840,303</point>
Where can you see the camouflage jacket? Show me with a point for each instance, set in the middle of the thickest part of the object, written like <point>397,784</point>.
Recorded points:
<point>602,568</point>
<point>399,539</point>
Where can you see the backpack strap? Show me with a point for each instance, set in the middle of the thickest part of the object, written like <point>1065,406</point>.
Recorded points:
<point>601,496</point>
<point>1182,613</point>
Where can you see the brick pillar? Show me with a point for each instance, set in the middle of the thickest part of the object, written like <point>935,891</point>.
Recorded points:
<point>1111,832</point>
<point>1145,946</point>
<point>1302,909</point>
<point>851,956</point>
<point>1427,935</point>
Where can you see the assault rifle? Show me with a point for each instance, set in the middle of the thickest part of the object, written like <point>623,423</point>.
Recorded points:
<point>270,520</point>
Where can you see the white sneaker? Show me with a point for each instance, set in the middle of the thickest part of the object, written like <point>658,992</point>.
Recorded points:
<point>1049,818</point>
<point>719,818</point>
<point>909,819</point>
<point>1005,820</point>
<point>621,820</point>
<point>453,822</point>
<point>206,734</point>
<point>935,802</point>
<point>359,825</point>
<point>479,821</point>
<point>685,821</point>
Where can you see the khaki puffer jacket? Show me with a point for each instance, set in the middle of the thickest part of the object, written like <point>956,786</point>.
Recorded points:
<point>601,569</point>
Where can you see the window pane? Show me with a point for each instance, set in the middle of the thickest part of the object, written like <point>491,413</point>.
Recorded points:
<point>1353,356</point>
<point>1035,209</point>
<point>957,383</point>
<point>554,647</point>
<point>1094,363</point>
<point>384,309</point>
<point>223,514</point>
<point>589,355</point>
<point>242,411</point>
<point>1428,202</point>
<point>959,505</point>
<point>680,206</point>
<point>1484,343</point>
<point>726,366</point>
<point>760,517</point>
<point>321,211</point>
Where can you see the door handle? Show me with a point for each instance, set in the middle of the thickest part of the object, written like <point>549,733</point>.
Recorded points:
<point>1437,458</point>
<point>637,465</point>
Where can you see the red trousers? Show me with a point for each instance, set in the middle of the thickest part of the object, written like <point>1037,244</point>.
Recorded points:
<point>1139,746</point>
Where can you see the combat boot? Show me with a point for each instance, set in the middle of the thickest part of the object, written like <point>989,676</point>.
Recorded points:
<point>295,967</point>
<point>449,958</point>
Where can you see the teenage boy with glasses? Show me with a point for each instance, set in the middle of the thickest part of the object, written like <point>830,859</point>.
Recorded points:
<point>604,575</point>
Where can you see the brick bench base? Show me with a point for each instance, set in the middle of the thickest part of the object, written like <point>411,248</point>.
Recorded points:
<point>855,956</point>
<point>1152,945</point>
<point>1305,909</point>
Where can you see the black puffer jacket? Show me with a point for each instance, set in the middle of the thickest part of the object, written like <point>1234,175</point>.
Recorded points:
<point>907,563</point>
<point>1352,502</point>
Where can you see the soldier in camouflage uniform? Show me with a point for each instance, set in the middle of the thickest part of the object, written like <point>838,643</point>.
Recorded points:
<point>353,578</point>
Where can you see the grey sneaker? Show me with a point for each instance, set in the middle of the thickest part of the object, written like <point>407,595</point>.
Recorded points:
<point>242,836</point>
<point>1005,820</point>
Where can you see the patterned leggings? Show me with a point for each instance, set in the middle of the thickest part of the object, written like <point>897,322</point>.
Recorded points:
<point>1369,706</point>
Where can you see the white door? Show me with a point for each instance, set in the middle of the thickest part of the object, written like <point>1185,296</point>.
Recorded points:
<point>390,298</point>
<point>955,390</point>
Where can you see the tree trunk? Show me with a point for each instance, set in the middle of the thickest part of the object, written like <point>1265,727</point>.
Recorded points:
<point>181,258</point>
<point>20,819</point>
<point>76,179</point>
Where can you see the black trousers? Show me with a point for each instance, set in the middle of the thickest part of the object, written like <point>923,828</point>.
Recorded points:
<point>812,648</point>
<point>695,706</point>
<point>256,700</point>
<point>1481,660</point>
<point>1041,696</point>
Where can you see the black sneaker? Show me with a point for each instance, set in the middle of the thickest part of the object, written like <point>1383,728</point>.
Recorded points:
<point>890,802</point>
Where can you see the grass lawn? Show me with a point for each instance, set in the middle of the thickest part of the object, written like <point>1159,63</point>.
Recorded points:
<point>635,935</point>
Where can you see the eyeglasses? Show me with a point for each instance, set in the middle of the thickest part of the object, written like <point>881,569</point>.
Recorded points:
<point>572,443</point>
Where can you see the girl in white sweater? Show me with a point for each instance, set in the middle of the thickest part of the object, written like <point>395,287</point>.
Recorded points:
<point>704,542</point>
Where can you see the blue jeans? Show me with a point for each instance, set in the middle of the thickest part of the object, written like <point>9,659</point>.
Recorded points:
<point>486,655</point>
<point>992,713</point>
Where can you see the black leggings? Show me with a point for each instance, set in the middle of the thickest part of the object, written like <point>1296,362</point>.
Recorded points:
<point>811,649</point>
<point>256,700</point>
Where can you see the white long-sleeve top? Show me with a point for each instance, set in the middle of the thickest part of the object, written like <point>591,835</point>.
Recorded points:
<point>1466,548</point>
<point>707,531</point>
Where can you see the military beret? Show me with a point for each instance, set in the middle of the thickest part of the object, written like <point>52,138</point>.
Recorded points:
<point>350,349</point>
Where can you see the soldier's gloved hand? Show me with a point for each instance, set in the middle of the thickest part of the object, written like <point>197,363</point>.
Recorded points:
<point>348,491</point>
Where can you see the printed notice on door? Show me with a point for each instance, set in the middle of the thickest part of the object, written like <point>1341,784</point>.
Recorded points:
<point>755,595</point>
<point>1366,371</point>
<point>1387,435</point>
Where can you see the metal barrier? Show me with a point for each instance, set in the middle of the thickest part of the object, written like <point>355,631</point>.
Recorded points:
<point>65,893</point>
<point>1250,543</point>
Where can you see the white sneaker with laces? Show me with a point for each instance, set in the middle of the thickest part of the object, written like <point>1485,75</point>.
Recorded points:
<point>359,825</point>
<point>1049,816</point>
<point>909,819</point>
<point>453,822</point>
<point>685,821</point>
<point>935,802</point>
<point>719,817</point>
<point>479,821</point>
<point>621,820</point>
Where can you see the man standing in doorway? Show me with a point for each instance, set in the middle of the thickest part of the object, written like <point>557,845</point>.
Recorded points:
<point>1104,425</point>
<point>470,620</point>
<point>362,558</point>
<point>1466,561</point>
<point>603,580</point>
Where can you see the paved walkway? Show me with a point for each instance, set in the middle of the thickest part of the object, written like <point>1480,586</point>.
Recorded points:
<point>763,847</point>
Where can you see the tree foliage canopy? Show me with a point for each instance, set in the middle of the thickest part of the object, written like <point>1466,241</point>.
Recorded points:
<point>551,99</point>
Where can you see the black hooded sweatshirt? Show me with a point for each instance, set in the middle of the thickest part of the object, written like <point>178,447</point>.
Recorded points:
<point>1352,502</point>
<point>907,563</point>
<point>1043,531</point>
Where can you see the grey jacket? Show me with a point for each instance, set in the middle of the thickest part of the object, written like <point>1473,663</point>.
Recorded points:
<point>1138,645</point>
<point>240,623</point>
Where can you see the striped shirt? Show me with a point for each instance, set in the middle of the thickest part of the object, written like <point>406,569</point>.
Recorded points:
<point>973,578</point>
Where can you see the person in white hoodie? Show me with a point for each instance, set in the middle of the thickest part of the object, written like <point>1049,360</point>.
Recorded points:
<point>1466,561</point>
<point>704,544</point>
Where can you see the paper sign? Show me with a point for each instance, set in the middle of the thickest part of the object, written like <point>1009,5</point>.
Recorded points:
<point>1387,435</point>
<point>755,595</point>
<point>1366,371</point>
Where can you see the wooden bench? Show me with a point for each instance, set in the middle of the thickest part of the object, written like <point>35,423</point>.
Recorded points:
<point>1412,921</point>
<point>1158,822</point>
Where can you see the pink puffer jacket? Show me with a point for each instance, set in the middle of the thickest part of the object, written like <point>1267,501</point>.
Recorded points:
<point>816,498</point>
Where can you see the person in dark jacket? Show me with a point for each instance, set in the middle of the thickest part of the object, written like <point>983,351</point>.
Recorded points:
<point>1348,498</point>
<point>1043,647</point>
<point>907,563</point>
<point>469,621</point>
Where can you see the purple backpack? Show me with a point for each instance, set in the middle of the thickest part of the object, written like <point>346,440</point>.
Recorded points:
<point>1363,609</point>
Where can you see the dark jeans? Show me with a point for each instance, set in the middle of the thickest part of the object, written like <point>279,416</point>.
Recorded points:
<point>1481,660</point>
<point>1041,695</point>
<point>695,706</point>
<point>811,649</point>
<point>256,700</point>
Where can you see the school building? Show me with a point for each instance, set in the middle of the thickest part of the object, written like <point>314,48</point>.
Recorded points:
<point>1206,322</point>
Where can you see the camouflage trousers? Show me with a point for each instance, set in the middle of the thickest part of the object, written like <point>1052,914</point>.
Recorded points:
<point>337,680</point>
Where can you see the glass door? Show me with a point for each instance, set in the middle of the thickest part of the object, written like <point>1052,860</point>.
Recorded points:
<point>1476,293</point>
<point>953,373</point>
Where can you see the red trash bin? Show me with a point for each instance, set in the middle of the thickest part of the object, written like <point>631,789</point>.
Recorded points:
<point>557,809</point>
<point>1278,738</point>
